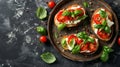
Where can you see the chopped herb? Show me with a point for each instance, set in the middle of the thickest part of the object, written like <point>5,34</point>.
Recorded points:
<point>41,13</point>
<point>63,42</point>
<point>86,4</point>
<point>48,57</point>
<point>72,43</point>
<point>76,49</point>
<point>85,37</point>
<point>103,26</point>
<point>61,26</point>
<point>66,13</point>
<point>103,14</point>
<point>77,12</point>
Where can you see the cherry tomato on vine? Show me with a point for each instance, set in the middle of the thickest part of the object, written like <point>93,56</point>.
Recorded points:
<point>43,39</point>
<point>51,4</point>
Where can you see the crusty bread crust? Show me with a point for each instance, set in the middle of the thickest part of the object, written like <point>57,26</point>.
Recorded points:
<point>67,25</point>
<point>109,16</point>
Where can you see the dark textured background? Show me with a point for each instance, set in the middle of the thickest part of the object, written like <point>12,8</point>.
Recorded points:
<point>19,44</point>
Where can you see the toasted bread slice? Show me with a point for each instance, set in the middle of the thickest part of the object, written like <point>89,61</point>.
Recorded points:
<point>109,14</point>
<point>70,23</point>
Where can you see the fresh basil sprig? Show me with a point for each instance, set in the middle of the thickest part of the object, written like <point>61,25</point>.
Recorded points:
<point>103,26</point>
<point>82,17</point>
<point>85,37</point>
<point>105,54</point>
<point>103,14</point>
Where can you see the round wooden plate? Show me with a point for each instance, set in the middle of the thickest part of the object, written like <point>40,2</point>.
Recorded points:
<point>55,35</point>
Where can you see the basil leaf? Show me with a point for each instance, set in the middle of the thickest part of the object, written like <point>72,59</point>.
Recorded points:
<point>66,13</point>
<point>104,23</point>
<point>77,12</point>
<point>97,26</point>
<point>86,4</point>
<point>107,49</point>
<point>82,17</point>
<point>103,14</point>
<point>90,40</point>
<point>72,14</point>
<point>41,30</point>
<point>72,43</point>
<point>48,57</point>
<point>85,41</point>
<point>61,26</point>
<point>104,57</point>
<point>63,42</point>
<point>41,13</point>
<point>107,29</point>
<point>76,49</point>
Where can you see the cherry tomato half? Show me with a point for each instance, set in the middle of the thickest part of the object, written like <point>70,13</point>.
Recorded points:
<point>103,34</point>
<point>97,19</point>
<point>43,39</point>
<point>51,4</point>
<point>118,41</point>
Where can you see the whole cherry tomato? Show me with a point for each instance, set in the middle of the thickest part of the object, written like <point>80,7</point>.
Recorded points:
<point>118,41</point>
<point>43,39</point>
<point>51,4</point>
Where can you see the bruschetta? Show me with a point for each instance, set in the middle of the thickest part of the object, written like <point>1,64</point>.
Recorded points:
<point>71,16</point>
<point>102,24</point>
<point>80,43</point>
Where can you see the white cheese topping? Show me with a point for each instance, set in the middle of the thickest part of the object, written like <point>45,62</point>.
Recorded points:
<point>75,7</point>
<point>109,22</point>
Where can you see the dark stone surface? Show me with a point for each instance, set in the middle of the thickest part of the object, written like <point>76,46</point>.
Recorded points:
<point>19,44</point>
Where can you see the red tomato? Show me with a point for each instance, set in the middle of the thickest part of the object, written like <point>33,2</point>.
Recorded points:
<point>43,39</point>
<point>118,40</point>
<point>60,17</point>
<point>72,37</point>
<point>92,47</point>
<point>84,47</point>
<point>103,34</point>
<point>97,19</point>
<point>51,4</point>
<point>79,41</point>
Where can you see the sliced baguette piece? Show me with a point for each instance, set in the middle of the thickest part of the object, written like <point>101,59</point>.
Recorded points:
<point>110,18</point>
<point>71,24</point>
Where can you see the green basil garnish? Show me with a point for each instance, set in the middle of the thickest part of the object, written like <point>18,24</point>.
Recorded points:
<point>63,42</point>
<point>103,14</point>
<point>48,57</point>
<point>76,49</point>
<point>72,43</point>
<point>103,26</point>
<point>66,13</point>
<point>41,13</point>
<point>85,37</point>
<point>61,26</point>
<point>77,12</point>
